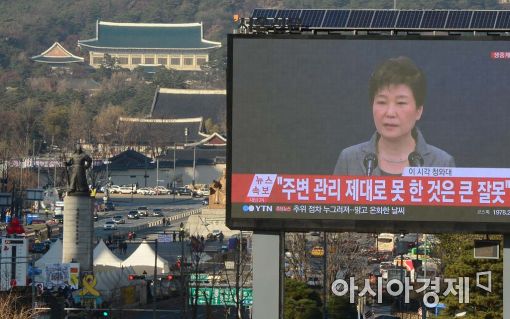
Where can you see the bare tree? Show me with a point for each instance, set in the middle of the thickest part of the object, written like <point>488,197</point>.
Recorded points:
<point>296,256</point>
<point>242,276</point>
<point>105,124</point>
<point>347,254</point>
<point>79,123</point>
<point>12,307</point>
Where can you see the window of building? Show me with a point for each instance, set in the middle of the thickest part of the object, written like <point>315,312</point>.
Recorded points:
<point>201,61</point>
<point>149,60</point>
<point>175,61</point>
<point>136,60</point>
<point>123,60</point>
<point>162,61</point>
<point>97,60</point>
<point>188,61</point>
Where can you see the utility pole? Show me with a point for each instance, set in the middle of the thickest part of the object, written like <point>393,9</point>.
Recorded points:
<point>183,281</point>
<point>154,279</point>
<point>238,276</point>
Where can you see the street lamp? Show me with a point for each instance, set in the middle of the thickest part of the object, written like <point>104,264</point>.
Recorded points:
<point>174,179</point>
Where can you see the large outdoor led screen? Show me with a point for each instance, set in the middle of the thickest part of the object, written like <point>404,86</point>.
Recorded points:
<point>369,134</point>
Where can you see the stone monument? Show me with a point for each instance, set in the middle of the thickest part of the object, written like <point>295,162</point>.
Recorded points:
<point>78,212</point>
<point>218,195</point>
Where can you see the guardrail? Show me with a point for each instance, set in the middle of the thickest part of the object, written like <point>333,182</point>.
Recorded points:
<point>169,218</point>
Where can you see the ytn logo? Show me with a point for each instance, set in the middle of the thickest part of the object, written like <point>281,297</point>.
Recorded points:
<point>257,208</point>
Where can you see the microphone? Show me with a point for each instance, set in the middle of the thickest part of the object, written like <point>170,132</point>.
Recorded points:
<point>370,162</point>
<point>415,159</point>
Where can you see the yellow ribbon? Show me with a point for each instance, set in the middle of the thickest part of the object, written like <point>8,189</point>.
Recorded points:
<point>89,282</point>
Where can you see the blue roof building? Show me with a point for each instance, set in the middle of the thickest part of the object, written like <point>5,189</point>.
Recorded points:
<point>176,46</point>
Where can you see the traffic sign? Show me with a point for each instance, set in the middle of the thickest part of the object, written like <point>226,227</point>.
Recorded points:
<point>218,296</point>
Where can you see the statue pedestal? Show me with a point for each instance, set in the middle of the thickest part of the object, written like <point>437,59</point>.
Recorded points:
<point>78,240</point>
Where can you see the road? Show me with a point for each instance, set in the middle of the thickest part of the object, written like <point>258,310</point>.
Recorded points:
<point>125,203</point>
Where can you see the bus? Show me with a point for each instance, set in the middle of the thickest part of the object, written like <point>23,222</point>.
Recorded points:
<point>385,243</point>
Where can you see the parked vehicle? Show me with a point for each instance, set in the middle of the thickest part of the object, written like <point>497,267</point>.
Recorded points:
<point>143,211</point>
<point>114,189</point>
<point>183,191</point>
<point>161,190</point>
<point>146,191</point>
<point>96,217</point>
<point>110,225</point>
<point>126,190</point>
<point>118,219</point>
<point>134,187</point>
<point>205,201</point>
<point>201,192</point>
<point>133,215</point>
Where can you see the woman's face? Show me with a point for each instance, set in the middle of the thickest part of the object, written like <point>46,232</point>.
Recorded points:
<point>395,111</point>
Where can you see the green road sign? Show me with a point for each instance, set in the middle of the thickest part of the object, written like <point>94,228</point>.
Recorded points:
<point>219,296</point>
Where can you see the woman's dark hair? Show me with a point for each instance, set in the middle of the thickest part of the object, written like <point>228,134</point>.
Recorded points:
<point>395,71</point>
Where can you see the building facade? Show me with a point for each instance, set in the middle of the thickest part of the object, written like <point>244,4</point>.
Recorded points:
<point>174,46</point>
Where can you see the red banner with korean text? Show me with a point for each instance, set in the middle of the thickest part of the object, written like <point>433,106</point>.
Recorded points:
<point>402,191</point>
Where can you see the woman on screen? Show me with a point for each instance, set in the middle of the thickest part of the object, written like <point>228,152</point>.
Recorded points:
<point>397,93</point>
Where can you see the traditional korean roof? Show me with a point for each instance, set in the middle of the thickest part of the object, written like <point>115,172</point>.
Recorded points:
<point>203,156</point>
<point>184,36</point>
<point>179,103</point>
<point>161,132</point>
<point>130,159</point>
<point>213,140</point>
<point>57,54</point>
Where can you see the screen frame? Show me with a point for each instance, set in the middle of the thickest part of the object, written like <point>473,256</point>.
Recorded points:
<point>272,225</point>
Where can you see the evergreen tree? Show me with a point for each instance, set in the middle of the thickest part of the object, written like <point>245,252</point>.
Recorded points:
<point>458,261</point>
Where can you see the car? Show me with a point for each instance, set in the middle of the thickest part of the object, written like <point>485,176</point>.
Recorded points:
<point>133,187</point>
<point>201,192</point>
<point>205,191</point>
<point>126,190</point>
<point>96,217</point>
<point>205,201</point>
<point>146,191</point>
<point>133,215</point>
<point>161,190</point>
<point>143,211</point>
<point>317,251</point>
<point>110,225</point>
<point>118,219</point>
<point>114,189</point>
<point>157,212</point>
<point>183,191</point>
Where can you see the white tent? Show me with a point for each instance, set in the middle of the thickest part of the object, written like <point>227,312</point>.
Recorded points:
<point>104,258</point>
<point>143,259</point>
<point>52,256</point>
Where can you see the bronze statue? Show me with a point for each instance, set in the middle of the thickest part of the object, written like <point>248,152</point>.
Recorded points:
<point>77,178</point>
